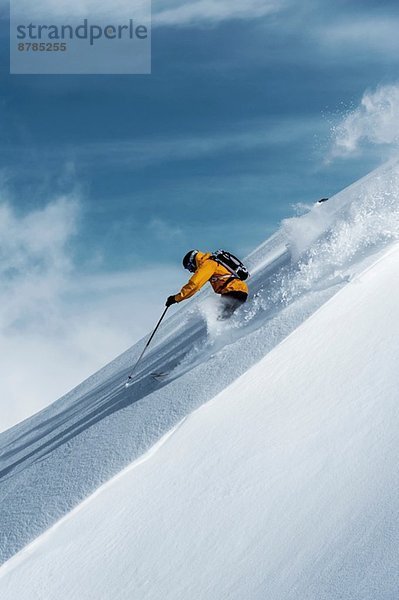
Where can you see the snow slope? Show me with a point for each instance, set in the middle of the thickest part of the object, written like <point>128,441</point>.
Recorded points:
<point>284,486</point>
<point>67,451</point>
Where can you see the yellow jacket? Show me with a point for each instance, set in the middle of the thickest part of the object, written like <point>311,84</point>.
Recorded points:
<point>218,277</point>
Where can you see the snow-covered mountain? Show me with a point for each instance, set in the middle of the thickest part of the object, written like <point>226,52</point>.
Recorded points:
<point>263,465</point>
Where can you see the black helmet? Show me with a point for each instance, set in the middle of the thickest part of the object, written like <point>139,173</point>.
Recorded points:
<point>189,262</point>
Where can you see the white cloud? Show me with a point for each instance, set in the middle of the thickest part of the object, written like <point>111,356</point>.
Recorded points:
<point>374,121</point>
<point>251,135</point>
<point>164,12</point>
<point>211,11</point>
<point>58,325</point>
<point>361,34</point>
<point>34,263</point>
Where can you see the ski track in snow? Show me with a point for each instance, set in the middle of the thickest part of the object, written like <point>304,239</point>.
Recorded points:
<point>65,452</point>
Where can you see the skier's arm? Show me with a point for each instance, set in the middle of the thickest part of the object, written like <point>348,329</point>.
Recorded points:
<point>200,277</point>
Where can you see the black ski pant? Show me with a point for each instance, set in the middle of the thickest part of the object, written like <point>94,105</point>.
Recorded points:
<point>230,302</point>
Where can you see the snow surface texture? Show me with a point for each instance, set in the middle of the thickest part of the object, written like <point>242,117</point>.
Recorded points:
<point>65,452</point>
<point>284,486</point>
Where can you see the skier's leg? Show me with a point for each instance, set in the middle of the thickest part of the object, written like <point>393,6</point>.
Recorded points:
<point>230,302</point>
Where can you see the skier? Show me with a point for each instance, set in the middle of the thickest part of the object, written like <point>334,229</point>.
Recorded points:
<point>227,276</point>
<point>228,282</point>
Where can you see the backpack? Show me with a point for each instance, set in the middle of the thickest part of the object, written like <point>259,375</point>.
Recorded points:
<point>231,263</point>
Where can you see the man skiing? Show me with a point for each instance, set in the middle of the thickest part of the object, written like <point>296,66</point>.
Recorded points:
<point>227,281</point>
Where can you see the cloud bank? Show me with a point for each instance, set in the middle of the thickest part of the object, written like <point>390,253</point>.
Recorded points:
<point>59,324</point>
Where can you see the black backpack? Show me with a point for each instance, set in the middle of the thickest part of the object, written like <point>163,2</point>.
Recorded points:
<point>231,263</point>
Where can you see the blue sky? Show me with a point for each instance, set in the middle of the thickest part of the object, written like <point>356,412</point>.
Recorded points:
<point>211,150</point>
<point>228,131</point>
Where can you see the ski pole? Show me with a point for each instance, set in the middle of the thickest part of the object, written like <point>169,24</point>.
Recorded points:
<point>148,343</point>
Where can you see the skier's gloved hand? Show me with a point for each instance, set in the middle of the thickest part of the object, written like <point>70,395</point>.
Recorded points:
<point>171,300</point>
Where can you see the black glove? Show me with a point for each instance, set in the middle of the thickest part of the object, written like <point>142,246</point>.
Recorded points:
<point>171,300</point>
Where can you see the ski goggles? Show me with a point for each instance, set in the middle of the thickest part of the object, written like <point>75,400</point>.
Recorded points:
<point>192,265</point>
